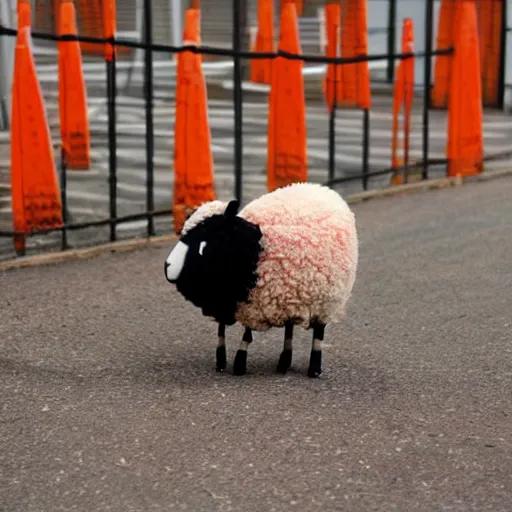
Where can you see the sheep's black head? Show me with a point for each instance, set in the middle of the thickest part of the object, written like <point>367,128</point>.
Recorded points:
<point>214,265</point>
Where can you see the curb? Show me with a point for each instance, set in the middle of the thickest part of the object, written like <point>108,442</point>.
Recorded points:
<point>492,175</point>
<point>408,188</point>
<point>156,241</point>
<point>86,253</point>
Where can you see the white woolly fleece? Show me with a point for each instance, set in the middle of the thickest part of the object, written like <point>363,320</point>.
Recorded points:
<point>205,210</point>
<point>309,261</point>
<point>308,266</point>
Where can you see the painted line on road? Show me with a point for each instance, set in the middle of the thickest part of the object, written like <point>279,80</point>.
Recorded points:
<point>80,210</point>
<point>77,210</point>
<point>93,196</point>
<point>129,130</point>
<point>253,172</point>
<point>498,124</point>
<point>158,65</point>
<point>257,146</point>
<point>343,158</point>
<point>135,155</point>
<point>322,155</point>
<point>141,189</point>
<point>129,226</point>
<point>319,71</point>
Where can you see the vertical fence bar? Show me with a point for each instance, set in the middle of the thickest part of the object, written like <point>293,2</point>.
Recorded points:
<point>148,94</point>
<point>429,17</point>
<point>245,38</point>
<point>112,171</point>
<point>4,116</point>
<point>406,146</point>
<point>332,139</point>
<point>366,146</point>
<point>503,55</point>
<point>237,97</point>
<point>332,126</point>
<point>109,29</point>
<point>64,196</point>
<point>391,39</point>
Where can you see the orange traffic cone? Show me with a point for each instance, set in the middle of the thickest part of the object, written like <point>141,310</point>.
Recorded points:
<point>35,191</point>
<point>465,137</point>
<point>261,68</point>
<point>354,87</point>
<point>74,121</point>
<point>443,63</point>
<point>332,80</point>
<point>403,97</point>
<point>490,14</point>
<point>193,160</point>
<point>299,5</point>
<point>287,152</point>
<point>24,14</point>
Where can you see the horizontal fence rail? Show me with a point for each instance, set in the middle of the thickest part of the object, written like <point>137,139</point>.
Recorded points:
<point>226,52</point>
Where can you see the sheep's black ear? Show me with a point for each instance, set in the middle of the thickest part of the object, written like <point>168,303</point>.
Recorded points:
<point>232,208</point>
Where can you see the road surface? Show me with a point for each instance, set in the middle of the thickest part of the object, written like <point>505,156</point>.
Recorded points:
<point>109,399</point>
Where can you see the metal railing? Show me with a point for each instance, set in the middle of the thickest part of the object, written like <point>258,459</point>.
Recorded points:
<point>237,54</point>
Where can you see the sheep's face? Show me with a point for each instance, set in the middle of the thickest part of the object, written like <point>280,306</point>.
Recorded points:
<point>214,265</point>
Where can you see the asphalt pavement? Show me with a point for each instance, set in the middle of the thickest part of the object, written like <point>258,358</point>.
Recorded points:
<point>109,399</point>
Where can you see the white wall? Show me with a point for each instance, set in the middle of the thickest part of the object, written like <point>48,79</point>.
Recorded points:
<point>7,45</point>
<point>508,60</point>
<point>377,18</point>
<point>414,9</point>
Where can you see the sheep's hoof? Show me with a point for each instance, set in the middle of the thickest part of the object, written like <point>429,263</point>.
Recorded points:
<point>221,358</point>
<point>315,364</point>
<point>240,364</point>
<point>285,361</point>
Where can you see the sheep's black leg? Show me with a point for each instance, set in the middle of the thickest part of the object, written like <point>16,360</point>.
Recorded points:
<point>221,349</point>
<point>240,364</point>
<point>315,360</point>
<point>285,359</point>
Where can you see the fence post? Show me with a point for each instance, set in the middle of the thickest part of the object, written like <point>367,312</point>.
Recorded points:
<point>244,39</point>
<point>465,118</point>
<point>237,96</point>
<point>366,147</point>
<point>64,196</point>
<point>331,20</point>
<point>148,94</point>
<point>391,39</point>
<point>109,28</point>
<point>429,17</point>
<point>503,55</point>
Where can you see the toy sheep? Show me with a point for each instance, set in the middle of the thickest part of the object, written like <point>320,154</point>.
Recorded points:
<point>289,258</point>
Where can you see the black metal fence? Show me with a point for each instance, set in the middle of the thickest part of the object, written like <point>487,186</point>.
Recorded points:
<point>239,55</point>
